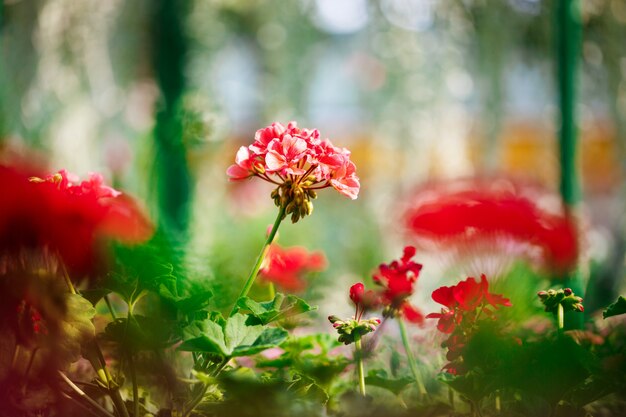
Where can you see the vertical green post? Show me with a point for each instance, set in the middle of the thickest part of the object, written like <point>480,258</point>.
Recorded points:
<point>173,182</point>
<point>568,37</point>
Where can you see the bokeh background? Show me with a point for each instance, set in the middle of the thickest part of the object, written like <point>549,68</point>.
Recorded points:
<point>158,96</point>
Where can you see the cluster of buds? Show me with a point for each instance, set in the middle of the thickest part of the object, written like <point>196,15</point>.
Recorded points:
<point>350,328</point>
<point>565,297</point>
<point>295,197</point>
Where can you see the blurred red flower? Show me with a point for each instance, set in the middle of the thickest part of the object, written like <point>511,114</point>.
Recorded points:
<point>64,217</point>
<point>286,267</point>
<point>465,215</point>
<point>398,281</point>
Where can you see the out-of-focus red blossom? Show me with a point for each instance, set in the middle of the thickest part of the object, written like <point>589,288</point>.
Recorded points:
<point>59,214</point>
<point>398,281</point>
<point>280,153</point>
<point>464,298</point>
<point>477,210</point>
<point>285,267</point>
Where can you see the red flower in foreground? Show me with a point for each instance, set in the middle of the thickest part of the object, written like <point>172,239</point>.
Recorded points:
<point>462,300</point>
<point>63,216</point>
<point>465,215</point>
<point>398,280</point>
<point>285,267</point>
<point>299,163</point>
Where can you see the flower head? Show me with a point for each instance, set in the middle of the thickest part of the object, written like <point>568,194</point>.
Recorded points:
<point>472,218</point>
<point>397,280</point>
<point>64,216</point>
<point>299,163</point>
<point>463,305</point>
<point>461,302</point>
<point>286,266</point>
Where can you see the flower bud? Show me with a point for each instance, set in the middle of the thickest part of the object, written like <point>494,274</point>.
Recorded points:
<point>356,292</point>
<point>567,291</point>
<point>333,319</point>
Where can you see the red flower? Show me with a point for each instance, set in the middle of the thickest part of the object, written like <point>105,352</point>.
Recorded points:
<point>463,298</point>
<point>398,280</point>
<point>464,215</point>
<point>286,266</point>
<point>60,215</point>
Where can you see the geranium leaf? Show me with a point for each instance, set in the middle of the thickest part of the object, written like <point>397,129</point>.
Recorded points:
<point>269,338</point>
<point>379,378</point>
<point>615,309</point>
<point>142,333</point>
<point>279,308</point>
<point>234,337</point>
<point>238,333</point>
<point>77,327</point>
<point>212,341</point>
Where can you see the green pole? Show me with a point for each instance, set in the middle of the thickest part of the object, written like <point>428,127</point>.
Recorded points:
<point>568,37</point>
<point>173,182</point>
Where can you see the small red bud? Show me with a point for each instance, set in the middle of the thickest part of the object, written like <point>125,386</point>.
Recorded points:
<point>567,291</point>
<point>356,292</point>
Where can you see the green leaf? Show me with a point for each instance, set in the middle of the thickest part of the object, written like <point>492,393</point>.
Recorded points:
<point>279,308</point>
<point>234,337</point>
<point>238,333</point>
<point>269,338</point>
<point>305,387</point>
<point>615,309</point>
<point>142,333</point>
<point>76,327</point>
<point>212,341</point>
<point>380,378</point>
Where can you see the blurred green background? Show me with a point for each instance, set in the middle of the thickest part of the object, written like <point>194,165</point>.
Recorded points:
<point>159,94</point>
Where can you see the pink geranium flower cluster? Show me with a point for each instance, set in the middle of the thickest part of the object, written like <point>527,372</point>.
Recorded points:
<point>299,162</point>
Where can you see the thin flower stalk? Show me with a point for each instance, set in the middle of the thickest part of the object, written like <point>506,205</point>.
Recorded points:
<point>358,353</point>
<point>260,259</point>
<point>411,359</point>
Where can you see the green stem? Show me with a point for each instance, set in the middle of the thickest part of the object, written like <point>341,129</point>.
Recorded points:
<point>259,261</point>
<point>94,354</point>
<point>451,397</point>
<point>560,317</point>
<point>498,402</point>
<point>84,396</point>
<point>198,398</point>
<point>271,290</point>
<point>358,353</point>
<point>109,306</point>
<point>133,378</point>
<point>411,359</point>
